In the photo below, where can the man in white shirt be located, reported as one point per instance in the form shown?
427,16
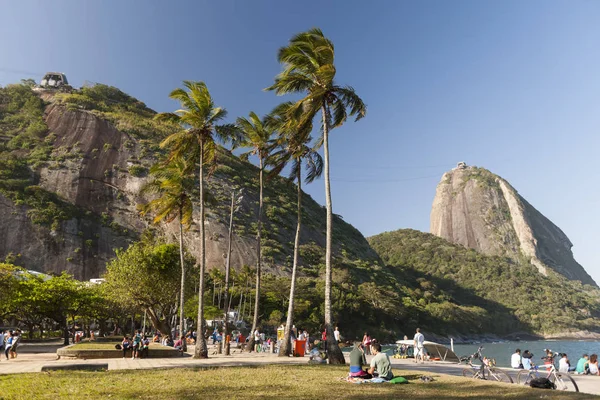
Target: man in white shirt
336,334
419,343
515,360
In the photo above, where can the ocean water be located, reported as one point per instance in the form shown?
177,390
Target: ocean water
502,351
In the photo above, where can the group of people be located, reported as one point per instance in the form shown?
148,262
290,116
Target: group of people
585,365
9,342
139,345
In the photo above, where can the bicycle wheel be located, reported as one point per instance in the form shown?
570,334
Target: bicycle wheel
499,375
565,382
524,377
469,372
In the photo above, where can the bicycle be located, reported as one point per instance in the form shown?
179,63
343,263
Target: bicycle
561,380
484,371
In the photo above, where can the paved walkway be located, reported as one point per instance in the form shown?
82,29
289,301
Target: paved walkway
32,357
586,383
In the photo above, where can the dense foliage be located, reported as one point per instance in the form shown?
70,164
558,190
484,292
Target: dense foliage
490,291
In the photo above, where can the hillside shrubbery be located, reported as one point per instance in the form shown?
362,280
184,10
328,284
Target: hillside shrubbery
500,286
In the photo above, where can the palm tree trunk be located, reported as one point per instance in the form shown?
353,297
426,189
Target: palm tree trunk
201,350
258,237
334,353
227,269
285,349
182,288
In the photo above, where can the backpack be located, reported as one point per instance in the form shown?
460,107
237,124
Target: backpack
542,383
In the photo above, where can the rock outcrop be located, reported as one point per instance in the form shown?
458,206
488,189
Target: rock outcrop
477,209
90,171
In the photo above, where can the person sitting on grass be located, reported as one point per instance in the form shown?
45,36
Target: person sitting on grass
357,360
583,365
316,357
380,363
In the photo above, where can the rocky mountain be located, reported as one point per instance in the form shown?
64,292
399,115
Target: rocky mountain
71,169
480,210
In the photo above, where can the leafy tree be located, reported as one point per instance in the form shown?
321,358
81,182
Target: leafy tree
256,135
292,147
8,286
309,68
173,184
146,276
198,117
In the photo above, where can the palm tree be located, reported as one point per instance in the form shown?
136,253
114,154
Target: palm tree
308,68
198,117
292,148
256,135
173,185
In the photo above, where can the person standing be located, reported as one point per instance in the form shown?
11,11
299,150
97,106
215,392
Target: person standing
8,342
137,341
419,343
515,360
1,340
367,343
336,335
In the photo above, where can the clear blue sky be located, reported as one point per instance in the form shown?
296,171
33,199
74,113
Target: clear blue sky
511,86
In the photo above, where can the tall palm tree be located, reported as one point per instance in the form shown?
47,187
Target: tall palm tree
256,135
198,116
308,68
173,184
291,147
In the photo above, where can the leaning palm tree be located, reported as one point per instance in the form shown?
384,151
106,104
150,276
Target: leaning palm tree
256,135
308,68
291,147
173,185
196,144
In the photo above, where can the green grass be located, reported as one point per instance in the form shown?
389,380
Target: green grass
270,382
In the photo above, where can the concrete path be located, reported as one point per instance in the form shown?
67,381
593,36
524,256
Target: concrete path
586,383
32,357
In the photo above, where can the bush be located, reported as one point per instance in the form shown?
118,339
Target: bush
137,171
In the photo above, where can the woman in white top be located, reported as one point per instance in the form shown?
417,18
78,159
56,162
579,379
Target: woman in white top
594,364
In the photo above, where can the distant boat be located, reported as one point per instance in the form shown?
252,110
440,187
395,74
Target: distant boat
435,350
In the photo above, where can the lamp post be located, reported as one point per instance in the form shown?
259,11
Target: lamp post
235,205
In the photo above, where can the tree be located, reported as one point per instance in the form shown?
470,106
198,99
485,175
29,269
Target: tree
256,135
146,276
308,67
291,147
198,117
172,183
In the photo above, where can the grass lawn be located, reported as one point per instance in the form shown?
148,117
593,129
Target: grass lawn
282,382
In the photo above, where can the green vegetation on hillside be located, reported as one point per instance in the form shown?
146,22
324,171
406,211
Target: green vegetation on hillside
498,286
25,145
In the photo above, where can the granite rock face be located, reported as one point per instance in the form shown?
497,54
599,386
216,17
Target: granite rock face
91,173
480,210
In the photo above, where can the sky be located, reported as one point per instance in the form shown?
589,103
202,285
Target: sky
511,86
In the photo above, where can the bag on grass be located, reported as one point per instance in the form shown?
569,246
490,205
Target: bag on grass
542,383
399,379
118,346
